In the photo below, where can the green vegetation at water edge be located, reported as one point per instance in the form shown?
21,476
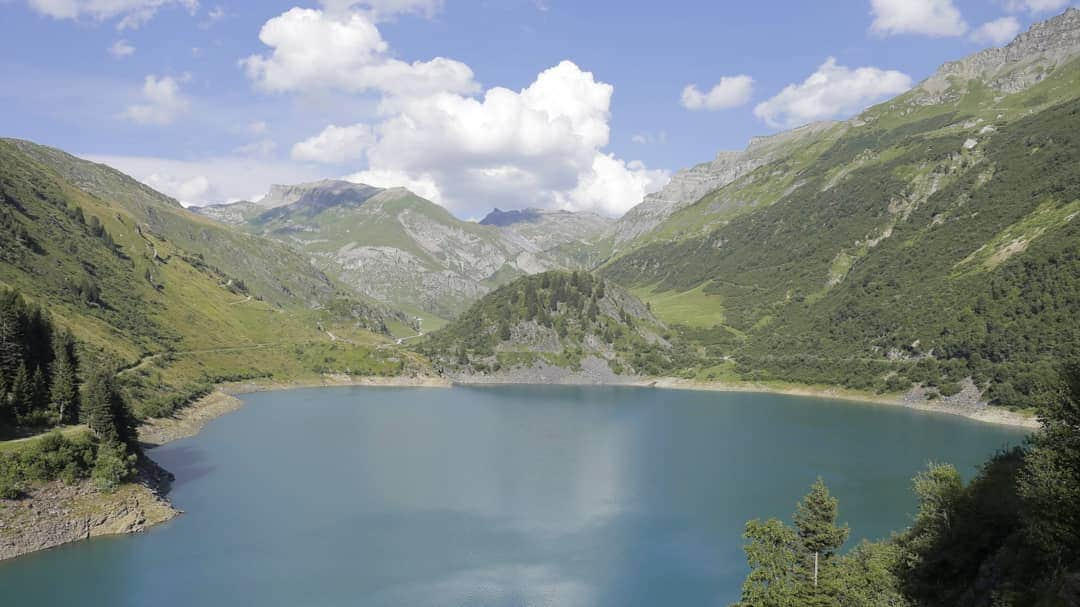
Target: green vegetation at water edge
1008,538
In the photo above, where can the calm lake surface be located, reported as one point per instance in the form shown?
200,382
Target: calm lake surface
500,496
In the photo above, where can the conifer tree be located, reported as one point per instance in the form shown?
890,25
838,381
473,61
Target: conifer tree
105,410
815,520
7,413
772,556
39,392
22,391
64,392
11,331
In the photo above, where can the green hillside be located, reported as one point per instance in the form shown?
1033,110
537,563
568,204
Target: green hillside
561,319
170,299
921,242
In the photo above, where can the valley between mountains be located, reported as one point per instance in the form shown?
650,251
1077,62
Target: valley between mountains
924,252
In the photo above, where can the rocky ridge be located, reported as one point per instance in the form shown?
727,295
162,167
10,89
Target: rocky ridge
689,185
1025,61
546,229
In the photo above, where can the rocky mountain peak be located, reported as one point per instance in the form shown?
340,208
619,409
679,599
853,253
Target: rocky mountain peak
500,218
325,192
1025,61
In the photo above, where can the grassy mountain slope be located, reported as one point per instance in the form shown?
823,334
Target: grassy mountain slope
929,240
766,161
393,245
562,319
279,274
118,273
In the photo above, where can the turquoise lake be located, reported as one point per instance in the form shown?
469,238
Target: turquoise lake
497,496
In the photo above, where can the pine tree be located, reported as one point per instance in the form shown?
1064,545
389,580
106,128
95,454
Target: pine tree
7,413
771,554
11,331
22,391
105,410
64,391
39,393
815,520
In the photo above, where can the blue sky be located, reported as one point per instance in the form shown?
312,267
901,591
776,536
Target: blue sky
186,96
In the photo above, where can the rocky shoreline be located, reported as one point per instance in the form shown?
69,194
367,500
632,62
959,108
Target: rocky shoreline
54,513
975,410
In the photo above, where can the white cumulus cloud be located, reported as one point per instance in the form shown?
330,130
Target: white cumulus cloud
997,32
313,49
540,146
163,102
731,91
132,14
210,180
121,49
437,134
335,145
935,18
831,91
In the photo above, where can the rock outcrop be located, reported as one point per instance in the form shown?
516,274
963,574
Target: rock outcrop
53,514
546,229
1025,61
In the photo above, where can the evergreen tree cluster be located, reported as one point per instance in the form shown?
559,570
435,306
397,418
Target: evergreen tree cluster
1009,538
577,306
39,389
39,369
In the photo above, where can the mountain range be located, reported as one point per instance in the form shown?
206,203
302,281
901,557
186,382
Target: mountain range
928,245
399,248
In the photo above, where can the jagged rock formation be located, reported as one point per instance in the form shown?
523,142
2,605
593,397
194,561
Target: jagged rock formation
1025,61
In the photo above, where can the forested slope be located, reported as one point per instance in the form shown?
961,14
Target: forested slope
557,318
929,240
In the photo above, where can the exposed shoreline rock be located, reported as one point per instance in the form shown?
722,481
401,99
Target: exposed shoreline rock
54,514
985,413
